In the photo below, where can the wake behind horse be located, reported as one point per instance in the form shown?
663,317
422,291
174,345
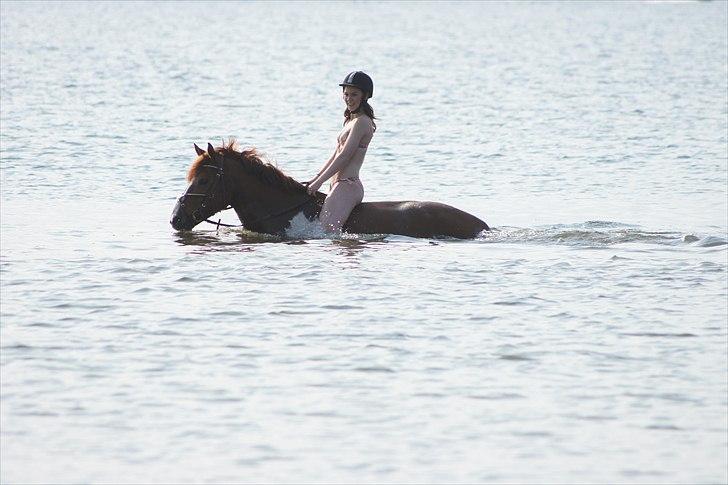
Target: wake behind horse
266,200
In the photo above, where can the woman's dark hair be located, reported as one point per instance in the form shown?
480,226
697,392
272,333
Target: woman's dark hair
366,108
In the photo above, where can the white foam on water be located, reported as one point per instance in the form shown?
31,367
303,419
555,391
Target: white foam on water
711,241
302,228
593,233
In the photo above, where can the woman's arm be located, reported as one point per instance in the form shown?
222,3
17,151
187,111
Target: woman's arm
358,130
325,165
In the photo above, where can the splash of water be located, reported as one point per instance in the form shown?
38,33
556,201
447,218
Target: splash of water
303,228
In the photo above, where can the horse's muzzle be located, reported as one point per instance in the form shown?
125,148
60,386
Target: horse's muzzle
178,223
180,220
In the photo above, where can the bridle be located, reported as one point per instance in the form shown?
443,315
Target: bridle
210,194
197,217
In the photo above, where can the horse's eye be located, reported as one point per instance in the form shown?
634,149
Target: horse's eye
203,181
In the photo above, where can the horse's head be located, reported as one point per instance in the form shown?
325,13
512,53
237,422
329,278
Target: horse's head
206,194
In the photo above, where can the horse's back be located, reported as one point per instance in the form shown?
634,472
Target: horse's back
413,218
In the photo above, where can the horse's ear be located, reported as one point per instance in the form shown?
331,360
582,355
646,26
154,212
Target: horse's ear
199,150
211,151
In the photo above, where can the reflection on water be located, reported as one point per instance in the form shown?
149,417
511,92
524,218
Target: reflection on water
352,247
223,237
238,239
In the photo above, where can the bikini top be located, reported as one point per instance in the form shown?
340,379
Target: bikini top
344,135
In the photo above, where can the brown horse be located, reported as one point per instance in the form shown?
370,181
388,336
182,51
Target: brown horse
266,200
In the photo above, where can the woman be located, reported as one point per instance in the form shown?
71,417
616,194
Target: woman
346,189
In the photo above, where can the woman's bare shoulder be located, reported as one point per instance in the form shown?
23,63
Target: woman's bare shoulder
364,121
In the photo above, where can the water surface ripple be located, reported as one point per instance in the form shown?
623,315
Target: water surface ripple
583,340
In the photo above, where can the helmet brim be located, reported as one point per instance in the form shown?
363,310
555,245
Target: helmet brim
355,86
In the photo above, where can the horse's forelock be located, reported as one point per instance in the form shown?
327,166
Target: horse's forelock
196,165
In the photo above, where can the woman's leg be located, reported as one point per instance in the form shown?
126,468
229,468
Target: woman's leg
342,199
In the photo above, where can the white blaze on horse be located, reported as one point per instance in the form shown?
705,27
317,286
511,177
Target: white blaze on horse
266,200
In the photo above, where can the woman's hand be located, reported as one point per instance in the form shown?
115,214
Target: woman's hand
313,186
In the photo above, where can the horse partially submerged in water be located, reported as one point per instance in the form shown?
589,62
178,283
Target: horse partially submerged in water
266,200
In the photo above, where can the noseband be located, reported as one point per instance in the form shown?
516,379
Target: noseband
196,216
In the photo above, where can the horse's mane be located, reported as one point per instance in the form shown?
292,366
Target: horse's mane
253,162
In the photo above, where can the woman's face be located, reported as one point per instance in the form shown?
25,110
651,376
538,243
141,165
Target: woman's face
352,97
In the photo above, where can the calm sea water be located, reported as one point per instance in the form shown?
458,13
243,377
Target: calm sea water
584,340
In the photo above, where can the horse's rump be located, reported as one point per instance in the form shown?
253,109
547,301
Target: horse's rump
413,218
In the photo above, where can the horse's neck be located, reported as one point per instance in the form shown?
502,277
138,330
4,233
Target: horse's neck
255,201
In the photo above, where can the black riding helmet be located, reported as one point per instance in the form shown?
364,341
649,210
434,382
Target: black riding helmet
360,80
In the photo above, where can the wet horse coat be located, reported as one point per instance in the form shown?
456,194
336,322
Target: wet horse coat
265,200
413,218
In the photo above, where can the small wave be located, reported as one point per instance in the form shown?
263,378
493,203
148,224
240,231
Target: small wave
375,368
596,234
515,357
711,242
659,334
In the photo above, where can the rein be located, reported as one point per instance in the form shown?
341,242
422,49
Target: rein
263,219
210,194
218,223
